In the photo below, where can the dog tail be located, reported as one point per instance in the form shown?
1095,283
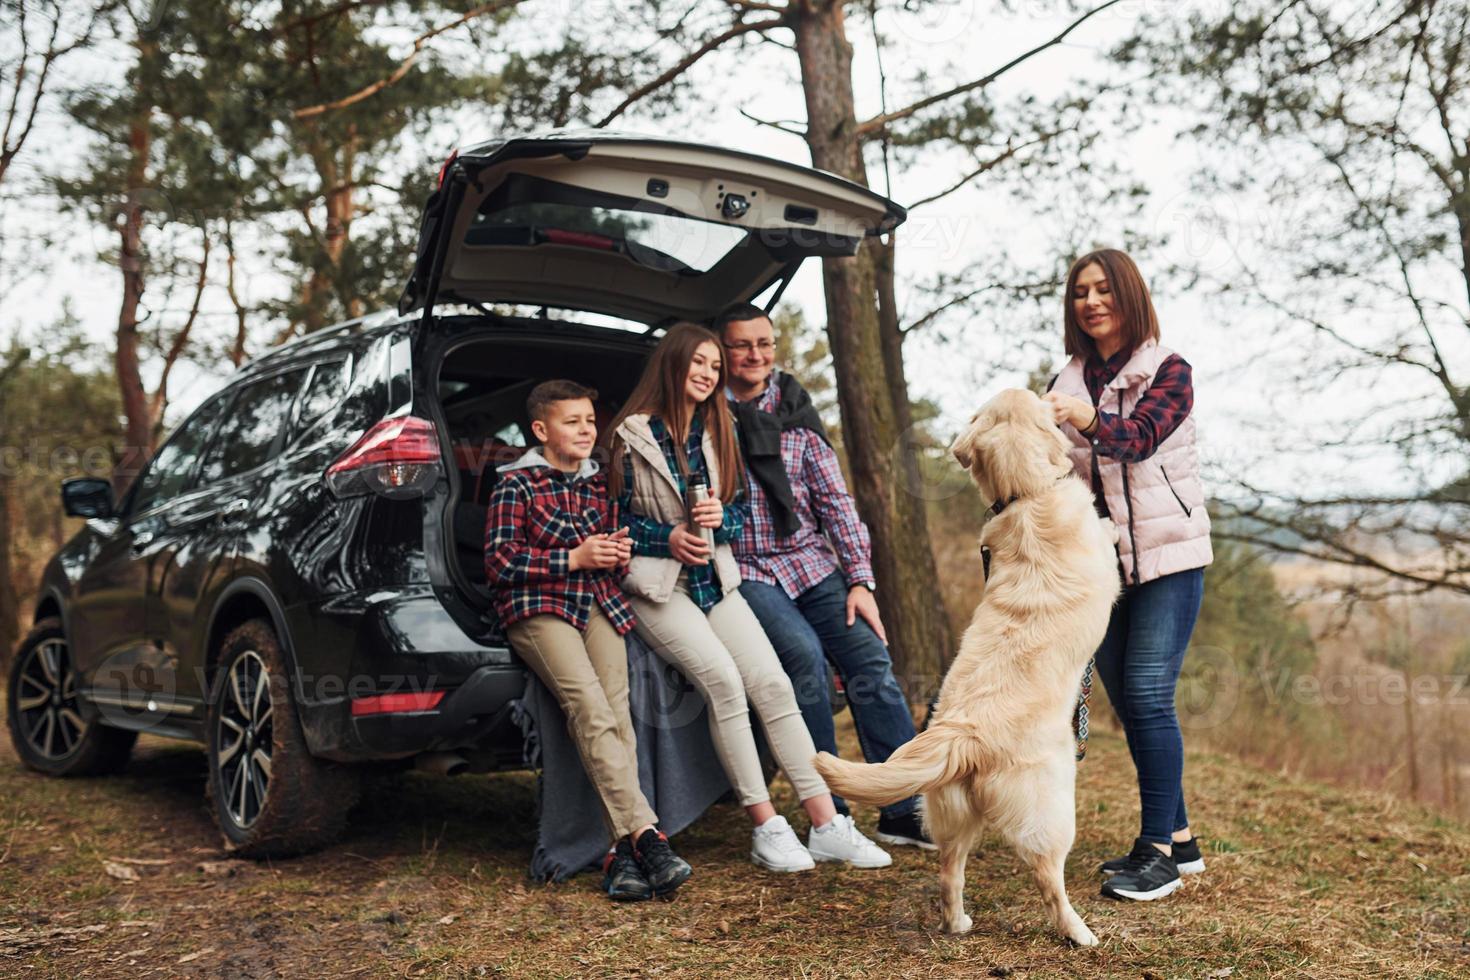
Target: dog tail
943,754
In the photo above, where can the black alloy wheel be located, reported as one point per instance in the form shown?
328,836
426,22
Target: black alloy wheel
270,796
245,737
52,729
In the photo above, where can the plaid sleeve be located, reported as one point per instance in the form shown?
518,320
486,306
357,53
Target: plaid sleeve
509,559
734,519
1165,405
649,536
836,512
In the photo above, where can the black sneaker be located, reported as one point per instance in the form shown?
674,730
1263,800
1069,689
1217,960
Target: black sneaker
622,878
664,870
1187,858
907,830
1148,874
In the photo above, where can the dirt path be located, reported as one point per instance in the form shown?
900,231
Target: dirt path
124,877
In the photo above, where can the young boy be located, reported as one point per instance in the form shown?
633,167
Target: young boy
552,550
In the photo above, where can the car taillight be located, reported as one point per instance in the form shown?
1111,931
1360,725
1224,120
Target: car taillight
382,704
445,168
398,458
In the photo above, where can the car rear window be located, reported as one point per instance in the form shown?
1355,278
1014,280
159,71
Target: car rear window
668,242
323,393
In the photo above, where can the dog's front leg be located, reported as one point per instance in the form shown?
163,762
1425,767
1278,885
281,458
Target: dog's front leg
952,856
1047,869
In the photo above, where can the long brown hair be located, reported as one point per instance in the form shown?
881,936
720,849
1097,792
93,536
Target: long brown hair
1131,301
660,392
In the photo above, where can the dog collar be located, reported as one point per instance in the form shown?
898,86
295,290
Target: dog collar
1001,505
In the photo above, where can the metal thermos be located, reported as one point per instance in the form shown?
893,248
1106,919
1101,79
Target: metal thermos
698,490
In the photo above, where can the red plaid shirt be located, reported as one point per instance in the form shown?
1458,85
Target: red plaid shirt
1166,404
537,515
831,537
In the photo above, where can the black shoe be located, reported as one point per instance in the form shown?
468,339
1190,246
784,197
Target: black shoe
907,830
1148,874
664,870
1187,858
622,877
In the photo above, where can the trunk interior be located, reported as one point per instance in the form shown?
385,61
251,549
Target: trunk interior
482,385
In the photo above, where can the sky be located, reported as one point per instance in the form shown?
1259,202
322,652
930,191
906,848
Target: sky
1239,367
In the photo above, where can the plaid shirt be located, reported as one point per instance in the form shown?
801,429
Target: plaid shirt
823,506
651,537
537,515
1158,413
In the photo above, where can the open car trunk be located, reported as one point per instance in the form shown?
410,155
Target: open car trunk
483,380
644,229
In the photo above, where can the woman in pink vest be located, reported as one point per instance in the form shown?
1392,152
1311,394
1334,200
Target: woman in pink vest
1126,404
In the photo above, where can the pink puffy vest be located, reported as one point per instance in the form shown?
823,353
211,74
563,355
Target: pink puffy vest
1165,498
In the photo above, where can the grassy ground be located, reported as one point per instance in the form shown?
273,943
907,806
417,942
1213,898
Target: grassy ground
1303,881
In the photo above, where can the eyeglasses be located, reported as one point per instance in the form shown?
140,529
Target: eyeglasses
764,346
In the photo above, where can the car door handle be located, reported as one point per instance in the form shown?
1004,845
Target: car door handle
235,507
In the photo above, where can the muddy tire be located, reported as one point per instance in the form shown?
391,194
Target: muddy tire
51,730
270,796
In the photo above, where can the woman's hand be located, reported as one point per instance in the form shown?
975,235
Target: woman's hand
687,547
708,513
1065,408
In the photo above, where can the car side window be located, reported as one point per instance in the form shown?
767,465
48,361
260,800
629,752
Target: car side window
247,435
168,473
324,392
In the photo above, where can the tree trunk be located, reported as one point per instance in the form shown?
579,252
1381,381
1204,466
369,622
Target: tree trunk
872,427
137,418
9,600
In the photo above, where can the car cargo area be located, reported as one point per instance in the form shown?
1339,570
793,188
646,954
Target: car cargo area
483,380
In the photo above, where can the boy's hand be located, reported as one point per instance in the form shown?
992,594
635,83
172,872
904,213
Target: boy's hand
624,543
598,551
708,513
688,547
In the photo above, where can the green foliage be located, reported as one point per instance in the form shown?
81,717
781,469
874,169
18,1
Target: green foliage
1260,645
59,418
801,350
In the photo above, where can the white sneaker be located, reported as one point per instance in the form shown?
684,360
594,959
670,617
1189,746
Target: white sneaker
840,840
775,846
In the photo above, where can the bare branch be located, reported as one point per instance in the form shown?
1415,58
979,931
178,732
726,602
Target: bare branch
407,64
181,339
49,55
785,126
774,8
1010,151
871,127
689,61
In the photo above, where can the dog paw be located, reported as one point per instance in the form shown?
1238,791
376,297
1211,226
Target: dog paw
1082,936
959,926
1110,530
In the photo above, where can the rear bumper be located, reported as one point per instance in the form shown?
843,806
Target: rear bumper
476,715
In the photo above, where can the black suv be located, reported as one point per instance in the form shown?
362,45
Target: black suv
297,579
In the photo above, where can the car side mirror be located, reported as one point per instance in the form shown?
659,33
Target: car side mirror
87,497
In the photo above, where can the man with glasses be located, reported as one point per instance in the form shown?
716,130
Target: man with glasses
806,560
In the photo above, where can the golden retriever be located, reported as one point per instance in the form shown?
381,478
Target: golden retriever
999,751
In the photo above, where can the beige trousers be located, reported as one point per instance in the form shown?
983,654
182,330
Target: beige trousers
727,657
588,674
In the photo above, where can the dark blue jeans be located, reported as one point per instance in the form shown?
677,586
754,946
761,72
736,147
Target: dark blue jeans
1139,663
806,632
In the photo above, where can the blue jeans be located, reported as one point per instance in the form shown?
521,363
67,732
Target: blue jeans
1139,663
813,627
